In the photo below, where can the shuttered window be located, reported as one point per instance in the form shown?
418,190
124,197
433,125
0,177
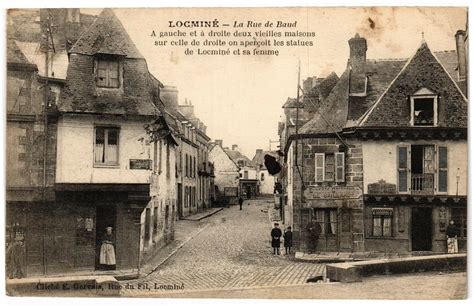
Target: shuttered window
319,172
442,169
403,170
339,167
107,73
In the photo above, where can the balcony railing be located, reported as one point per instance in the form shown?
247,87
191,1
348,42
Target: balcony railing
422,184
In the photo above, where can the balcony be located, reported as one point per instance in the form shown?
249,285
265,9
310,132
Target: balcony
422,184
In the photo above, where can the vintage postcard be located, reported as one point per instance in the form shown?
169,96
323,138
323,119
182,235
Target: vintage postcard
303,152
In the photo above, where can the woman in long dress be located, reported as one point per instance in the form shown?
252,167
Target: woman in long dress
107,251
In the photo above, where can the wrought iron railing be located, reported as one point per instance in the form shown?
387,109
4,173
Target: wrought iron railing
422,184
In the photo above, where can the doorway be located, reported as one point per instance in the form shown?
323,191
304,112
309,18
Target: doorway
421,229
105,217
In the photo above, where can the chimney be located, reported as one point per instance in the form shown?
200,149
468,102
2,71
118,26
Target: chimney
308,85
258,151
169,97
219,142
358,52
234,147
461,51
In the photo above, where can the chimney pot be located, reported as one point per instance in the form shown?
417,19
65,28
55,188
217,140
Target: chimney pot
358,51
461,52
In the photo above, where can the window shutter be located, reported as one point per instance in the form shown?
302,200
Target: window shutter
340,167
403,168
319,170
442,169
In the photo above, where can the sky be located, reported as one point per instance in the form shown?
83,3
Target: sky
240,98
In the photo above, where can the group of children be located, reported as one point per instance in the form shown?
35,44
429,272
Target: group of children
276,235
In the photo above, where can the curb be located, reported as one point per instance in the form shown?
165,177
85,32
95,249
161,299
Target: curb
155,267
217,210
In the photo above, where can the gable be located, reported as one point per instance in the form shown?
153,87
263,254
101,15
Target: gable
426,74
221,161
107,36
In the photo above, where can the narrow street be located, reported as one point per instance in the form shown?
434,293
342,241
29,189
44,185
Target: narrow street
232,252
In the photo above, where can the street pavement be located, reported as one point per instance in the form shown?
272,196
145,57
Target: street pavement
232,251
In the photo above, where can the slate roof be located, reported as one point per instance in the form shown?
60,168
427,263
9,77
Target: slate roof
236,156
14,54
449,60
106,35
139,90
291,103
341,110
259,160
422,71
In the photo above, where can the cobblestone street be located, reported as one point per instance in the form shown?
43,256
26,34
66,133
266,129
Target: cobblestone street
233,251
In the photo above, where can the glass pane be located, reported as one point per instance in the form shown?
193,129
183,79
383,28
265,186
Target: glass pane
443,157
319,160
377,226
402,157
387,226
113,137
339,159
443,181
402,180
319,174
113,82
99,135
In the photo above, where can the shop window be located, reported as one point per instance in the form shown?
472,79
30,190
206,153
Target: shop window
327,218
107,72
459,215
329,167
382,219
106,146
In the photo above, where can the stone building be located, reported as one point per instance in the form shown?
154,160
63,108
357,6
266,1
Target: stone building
194,172
382,165
248,183
104,127
226,174
266,182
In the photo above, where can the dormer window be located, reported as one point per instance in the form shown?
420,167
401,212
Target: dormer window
424,108
107,72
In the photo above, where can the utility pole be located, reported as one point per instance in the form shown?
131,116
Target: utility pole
295,167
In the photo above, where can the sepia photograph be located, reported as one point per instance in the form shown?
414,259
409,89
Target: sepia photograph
237,152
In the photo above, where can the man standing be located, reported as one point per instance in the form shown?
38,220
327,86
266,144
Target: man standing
276,235
452,237
241,201
314,231
288,237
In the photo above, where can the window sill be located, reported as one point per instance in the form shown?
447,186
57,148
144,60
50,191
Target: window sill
107,166
380,237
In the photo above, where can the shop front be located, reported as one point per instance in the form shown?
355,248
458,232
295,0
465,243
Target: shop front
331,220
67,235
